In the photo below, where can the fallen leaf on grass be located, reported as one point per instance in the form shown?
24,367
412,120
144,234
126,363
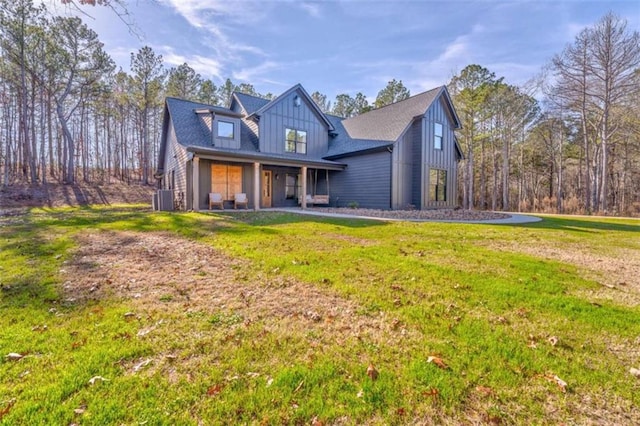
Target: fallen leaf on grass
316,422
553,340
635,372
214,390
484,390
431,392
372,372
141,365
438,361
360,394
94,379
14,356
557,380
6,409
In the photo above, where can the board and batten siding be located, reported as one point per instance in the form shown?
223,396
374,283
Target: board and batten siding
443,159
284,114
402,170
366,180
175,163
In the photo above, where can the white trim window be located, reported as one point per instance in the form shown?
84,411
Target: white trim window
438,133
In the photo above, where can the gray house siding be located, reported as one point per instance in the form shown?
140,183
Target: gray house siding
366,180
284,114
417,181
443,159
175,173
402,180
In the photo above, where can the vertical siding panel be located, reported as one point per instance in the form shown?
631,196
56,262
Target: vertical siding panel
375,170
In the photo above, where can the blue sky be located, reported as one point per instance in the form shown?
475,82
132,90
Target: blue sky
352,46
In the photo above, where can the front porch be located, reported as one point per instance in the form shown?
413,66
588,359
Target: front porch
267,184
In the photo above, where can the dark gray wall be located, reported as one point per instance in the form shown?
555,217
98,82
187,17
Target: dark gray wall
175,161
283,114
401,191
416,177
218,142
366,180
444,159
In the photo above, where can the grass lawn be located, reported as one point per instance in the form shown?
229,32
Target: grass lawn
117,315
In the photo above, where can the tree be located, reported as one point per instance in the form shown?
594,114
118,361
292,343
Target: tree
247,89
76,62
321,100
393,92
361,105
183,83
17,20
344,106
208,93
148,78
225,91
596,77
470,90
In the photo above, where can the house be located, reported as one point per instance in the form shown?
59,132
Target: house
398,156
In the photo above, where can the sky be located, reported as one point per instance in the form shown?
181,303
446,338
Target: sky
349,46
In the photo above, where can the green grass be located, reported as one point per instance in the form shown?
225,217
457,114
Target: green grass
454,291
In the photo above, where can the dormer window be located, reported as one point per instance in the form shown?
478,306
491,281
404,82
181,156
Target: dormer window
225,129
295,141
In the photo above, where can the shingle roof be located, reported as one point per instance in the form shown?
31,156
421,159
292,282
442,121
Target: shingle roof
250,103
188,125
341,143
388,123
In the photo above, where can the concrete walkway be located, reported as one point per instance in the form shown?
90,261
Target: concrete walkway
515,219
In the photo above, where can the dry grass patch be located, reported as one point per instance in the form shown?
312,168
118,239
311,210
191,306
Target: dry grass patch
147,269
618,271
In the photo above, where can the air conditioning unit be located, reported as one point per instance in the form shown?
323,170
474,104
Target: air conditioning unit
165,200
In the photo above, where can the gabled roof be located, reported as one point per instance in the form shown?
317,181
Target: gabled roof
341,144
298,87
389,122
249,103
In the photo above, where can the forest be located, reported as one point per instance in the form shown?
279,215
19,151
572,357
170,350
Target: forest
567,141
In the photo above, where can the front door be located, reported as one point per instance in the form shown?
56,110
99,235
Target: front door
266,188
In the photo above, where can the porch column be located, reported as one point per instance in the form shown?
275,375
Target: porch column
196,183
304,187
256,186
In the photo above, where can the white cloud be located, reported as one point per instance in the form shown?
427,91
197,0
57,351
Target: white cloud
207,67
251,73
313,9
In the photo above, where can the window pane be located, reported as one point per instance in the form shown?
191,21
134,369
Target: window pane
437,136
302,148
290,146
225,129
437,127
290,134
302,136
290,186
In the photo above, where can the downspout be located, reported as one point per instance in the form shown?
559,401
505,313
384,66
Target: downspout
390,150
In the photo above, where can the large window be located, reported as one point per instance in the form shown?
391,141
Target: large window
437,185
295,141
225,129
226,180
291,186
437,135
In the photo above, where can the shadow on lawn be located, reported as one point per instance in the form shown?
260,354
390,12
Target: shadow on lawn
582,225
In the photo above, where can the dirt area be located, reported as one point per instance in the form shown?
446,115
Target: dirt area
164,272
58,195
618,272
435,214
